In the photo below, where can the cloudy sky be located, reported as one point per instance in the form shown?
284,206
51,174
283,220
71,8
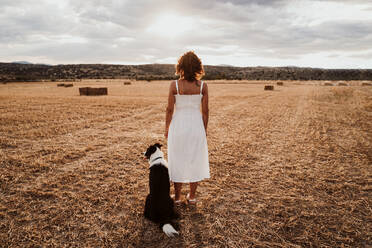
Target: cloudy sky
326,33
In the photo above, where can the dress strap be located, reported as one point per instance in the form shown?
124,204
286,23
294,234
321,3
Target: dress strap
201,87
177,86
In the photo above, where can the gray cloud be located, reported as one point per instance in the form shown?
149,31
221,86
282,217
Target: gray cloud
99,31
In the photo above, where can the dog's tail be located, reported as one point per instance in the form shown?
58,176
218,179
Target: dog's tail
169,230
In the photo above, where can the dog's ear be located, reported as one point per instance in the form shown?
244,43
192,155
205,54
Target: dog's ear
158,145
150,150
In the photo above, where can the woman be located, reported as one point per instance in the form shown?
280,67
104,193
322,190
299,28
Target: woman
186,129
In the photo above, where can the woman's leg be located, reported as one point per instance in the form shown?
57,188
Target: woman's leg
177,191
193,187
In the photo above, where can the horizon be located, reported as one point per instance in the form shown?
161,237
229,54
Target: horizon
223,65
330,34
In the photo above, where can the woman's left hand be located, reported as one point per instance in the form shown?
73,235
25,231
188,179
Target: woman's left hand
166,134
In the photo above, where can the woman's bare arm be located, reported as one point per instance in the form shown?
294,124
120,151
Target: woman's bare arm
205,107
170,108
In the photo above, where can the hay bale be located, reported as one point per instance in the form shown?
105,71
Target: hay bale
366,84
60,85
88,91
279,83
343,84
97,91
104,91
83,91
328,84
269,87
69,85
127,83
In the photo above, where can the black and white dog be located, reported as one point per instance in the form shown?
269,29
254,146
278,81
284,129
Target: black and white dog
159,206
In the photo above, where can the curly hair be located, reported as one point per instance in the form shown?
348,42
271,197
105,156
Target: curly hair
190,67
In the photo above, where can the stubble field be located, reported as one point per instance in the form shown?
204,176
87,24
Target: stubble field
289,167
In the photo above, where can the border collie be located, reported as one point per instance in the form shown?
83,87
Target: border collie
159,206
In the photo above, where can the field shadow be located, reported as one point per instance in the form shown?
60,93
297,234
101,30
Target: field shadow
191,225
150,235
198,221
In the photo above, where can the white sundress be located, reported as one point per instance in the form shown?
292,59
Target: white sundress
187,141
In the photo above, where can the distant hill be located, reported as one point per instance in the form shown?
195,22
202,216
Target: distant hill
26,71
22,62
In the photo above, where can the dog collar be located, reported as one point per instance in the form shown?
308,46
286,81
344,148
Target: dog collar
160,160
155,159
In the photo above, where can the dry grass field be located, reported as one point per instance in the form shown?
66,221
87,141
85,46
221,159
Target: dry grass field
289,167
